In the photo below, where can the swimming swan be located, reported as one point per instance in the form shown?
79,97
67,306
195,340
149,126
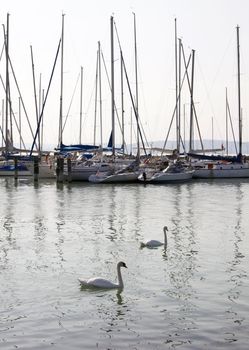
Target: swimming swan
99,282
154,243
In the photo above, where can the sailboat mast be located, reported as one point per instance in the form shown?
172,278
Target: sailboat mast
122,97
191,126
95,103
100,96
212,123
42,124
179,96
226,123
39,111
7,86
35,96
61,93
176,83
2,129
112,89
239,97
131,133
135,48
20,123
81,93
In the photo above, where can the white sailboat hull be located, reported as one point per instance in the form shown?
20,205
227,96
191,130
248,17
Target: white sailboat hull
175,172
114,178
171,177
82,172
223,171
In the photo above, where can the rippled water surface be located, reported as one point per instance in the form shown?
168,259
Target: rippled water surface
194,295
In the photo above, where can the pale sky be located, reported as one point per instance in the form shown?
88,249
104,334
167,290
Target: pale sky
207,26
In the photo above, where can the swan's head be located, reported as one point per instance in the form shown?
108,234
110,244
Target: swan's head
122,264
165,229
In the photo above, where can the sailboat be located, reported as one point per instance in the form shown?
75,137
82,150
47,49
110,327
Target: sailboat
226,167
174,172
127,173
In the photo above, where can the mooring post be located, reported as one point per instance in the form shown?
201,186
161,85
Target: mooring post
36,168
60,169
16,168
69,169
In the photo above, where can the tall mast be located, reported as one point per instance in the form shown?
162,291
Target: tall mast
2,130
35,96
61,93
20,123
95,103
239,103
212,124
176,82
122,97
135,48
191,126
184,126
100,95
39,111
179,97
112,90
81,93
226,123
131,133
42,123
7,86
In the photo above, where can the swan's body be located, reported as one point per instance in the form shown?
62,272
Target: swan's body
99,282
154,243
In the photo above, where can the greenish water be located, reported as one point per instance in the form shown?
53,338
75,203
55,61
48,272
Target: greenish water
194,295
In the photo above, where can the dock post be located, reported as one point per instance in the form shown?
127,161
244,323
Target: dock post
69,169
60,169
16,168
36,168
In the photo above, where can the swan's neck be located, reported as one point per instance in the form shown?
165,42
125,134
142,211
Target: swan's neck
120,280
165,238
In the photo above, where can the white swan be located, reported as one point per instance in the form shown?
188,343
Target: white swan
154,243
99,282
